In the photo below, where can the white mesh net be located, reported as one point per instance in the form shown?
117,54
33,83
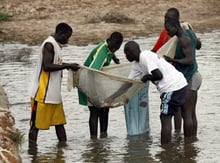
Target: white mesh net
99,85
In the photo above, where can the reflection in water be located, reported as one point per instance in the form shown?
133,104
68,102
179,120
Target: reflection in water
183,151
137,149
190,151
16,65
97,150
55,156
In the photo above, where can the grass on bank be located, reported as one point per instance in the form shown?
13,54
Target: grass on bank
4,16
17,136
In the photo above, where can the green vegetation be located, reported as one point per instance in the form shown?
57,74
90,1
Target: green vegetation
4,16
17,136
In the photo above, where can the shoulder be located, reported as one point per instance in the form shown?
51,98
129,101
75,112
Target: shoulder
48,46
102,42
145,57
147,53
102,45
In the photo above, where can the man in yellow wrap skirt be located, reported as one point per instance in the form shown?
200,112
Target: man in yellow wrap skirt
46,101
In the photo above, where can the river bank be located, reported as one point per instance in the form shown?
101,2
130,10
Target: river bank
31,21
9,147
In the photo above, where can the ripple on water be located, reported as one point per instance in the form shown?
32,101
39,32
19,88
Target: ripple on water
16,78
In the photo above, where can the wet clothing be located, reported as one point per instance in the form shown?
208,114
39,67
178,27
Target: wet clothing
137,113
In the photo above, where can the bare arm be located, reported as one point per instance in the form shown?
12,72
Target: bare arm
48,57
187,50
115,59
155,75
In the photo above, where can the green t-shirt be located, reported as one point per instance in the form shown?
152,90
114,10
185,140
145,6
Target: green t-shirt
100,56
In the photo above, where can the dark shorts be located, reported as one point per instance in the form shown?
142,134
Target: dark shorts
172,101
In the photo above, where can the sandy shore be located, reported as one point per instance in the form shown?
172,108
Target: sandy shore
32,21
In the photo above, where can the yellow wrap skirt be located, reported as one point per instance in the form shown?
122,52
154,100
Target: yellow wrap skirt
48,115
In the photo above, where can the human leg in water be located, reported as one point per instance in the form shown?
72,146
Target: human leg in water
33,131
187,114
178,121
104,122
193,102
93,121
61,133
166,127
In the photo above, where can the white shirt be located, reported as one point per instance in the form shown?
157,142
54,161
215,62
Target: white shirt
172,79
47,85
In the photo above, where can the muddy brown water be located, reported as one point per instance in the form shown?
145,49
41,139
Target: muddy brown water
16,66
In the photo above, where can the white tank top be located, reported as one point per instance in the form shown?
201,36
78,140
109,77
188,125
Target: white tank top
47,85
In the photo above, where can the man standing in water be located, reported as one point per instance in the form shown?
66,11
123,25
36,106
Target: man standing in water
100,56
185,62
173,13
46,101
171,83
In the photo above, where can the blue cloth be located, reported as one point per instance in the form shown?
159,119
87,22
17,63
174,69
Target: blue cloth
137,113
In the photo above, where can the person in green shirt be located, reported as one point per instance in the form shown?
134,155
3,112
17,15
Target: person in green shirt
100,56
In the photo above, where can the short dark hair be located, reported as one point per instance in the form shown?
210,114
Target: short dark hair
175,12
116,38
63,28
131,46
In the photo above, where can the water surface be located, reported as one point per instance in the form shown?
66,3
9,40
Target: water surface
16,67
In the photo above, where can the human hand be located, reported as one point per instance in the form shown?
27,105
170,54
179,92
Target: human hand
115,59
74,66
198,44
145,78
167,58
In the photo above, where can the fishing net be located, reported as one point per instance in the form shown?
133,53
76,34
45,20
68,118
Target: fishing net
99,85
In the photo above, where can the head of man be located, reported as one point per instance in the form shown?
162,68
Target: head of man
114,41
132,51
62,33
172,13
173,27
